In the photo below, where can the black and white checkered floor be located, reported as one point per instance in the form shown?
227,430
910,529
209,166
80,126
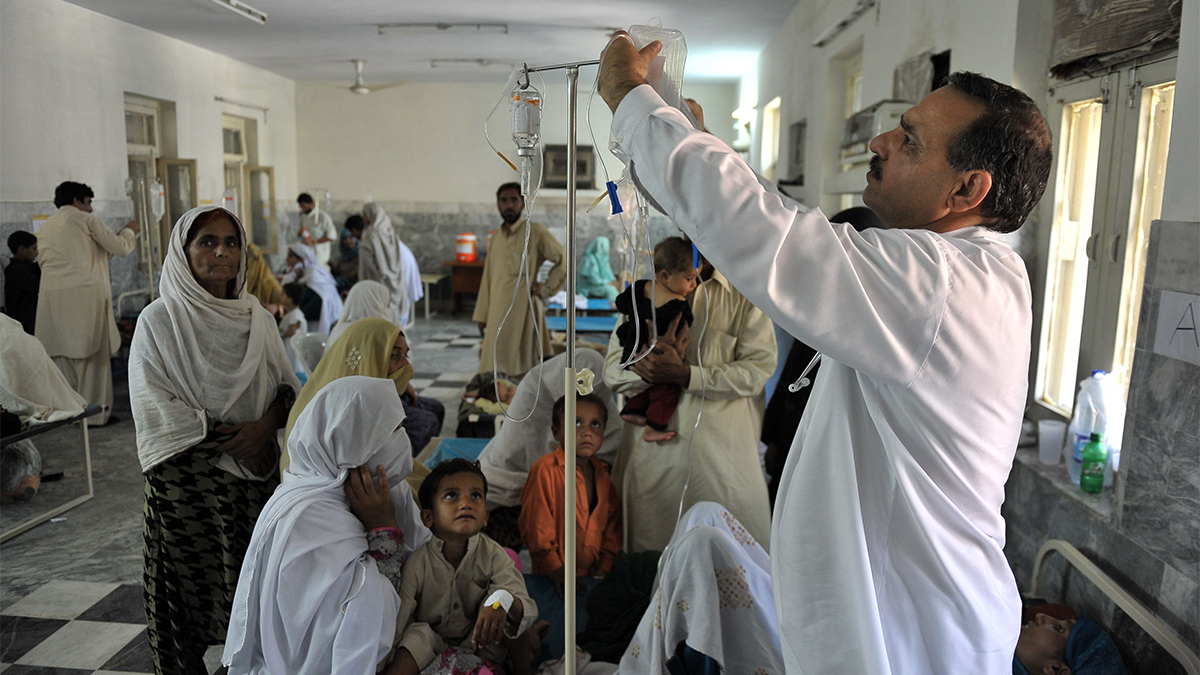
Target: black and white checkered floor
71,600
76,628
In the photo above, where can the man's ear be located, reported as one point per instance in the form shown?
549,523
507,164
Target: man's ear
970,191
427,518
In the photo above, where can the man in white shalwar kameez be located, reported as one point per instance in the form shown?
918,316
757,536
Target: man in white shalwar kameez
75,320
887,540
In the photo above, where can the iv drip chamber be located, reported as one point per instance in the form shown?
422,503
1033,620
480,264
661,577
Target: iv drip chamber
526,106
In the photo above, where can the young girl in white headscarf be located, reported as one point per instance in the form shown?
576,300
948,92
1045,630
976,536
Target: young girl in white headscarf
384,258
317,592
210,384
303,268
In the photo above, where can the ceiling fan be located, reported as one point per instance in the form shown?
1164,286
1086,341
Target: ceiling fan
360,87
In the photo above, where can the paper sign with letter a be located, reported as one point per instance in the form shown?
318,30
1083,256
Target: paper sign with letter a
1178,332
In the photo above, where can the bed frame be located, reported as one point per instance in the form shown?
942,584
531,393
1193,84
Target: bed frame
1149,623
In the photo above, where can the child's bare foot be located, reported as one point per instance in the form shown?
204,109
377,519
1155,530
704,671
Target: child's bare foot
636,420
652,435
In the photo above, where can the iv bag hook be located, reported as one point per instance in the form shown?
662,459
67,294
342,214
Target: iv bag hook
523,81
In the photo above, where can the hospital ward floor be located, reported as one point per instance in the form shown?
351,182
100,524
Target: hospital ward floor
70,589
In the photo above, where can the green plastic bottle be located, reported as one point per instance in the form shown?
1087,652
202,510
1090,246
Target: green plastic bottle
1095,454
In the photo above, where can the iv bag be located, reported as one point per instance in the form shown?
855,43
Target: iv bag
158,199
526,106
665,72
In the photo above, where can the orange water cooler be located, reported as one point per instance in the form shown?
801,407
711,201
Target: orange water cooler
464,247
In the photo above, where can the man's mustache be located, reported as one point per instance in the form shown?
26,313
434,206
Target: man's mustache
877,167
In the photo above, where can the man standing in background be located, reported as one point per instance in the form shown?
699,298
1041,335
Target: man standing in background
319,225
515,351
75,319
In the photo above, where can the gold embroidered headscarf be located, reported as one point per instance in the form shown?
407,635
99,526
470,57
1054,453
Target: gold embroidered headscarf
365,348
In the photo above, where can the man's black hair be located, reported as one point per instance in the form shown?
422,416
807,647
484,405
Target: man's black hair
21,238
68,191
305,198
295,292
560,408
1011,141
508,186
450,467
355,223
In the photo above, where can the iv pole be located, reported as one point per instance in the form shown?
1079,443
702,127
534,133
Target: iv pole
571,377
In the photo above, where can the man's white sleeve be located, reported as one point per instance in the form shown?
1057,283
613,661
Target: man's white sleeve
873,301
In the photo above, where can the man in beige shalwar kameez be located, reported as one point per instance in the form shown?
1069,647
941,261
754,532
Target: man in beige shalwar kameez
728,364
75,320
516,352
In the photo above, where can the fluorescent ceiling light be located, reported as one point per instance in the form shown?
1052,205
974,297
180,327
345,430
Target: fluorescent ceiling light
390,28
843,23
459,63
238,7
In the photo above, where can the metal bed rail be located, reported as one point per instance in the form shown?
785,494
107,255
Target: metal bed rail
1128,604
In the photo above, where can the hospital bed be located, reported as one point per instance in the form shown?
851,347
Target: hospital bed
1150,623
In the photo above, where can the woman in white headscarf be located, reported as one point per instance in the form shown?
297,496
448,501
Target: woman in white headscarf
366,300
712,607
384,258
210,384
317,592
303,268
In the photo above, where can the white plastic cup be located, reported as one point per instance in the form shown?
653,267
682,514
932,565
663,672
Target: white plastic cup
1050,440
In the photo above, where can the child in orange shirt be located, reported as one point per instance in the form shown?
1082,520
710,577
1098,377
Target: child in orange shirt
598,533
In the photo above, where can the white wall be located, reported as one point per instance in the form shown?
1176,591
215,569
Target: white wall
423,142
1181,199
982,37
63,74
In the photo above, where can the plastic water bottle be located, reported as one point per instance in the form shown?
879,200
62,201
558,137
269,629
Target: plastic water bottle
1099,408
1095,456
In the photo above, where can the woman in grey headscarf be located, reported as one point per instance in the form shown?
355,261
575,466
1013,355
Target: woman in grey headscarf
384,258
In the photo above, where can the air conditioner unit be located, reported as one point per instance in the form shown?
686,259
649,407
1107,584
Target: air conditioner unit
869,123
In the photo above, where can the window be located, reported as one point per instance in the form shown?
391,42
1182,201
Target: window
770,138
852,78
143,149
1113,134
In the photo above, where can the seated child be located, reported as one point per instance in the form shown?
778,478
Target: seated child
22,279
676,276
484,395
463,604
597,510
293,322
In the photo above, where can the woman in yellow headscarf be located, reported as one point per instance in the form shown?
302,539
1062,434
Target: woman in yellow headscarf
368,347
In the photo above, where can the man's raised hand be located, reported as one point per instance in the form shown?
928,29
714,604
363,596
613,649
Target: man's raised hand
623,67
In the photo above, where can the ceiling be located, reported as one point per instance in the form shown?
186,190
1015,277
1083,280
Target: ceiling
316,39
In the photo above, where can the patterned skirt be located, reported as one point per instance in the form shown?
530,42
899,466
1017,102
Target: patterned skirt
198,522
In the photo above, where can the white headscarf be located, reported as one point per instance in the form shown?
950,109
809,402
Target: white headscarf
197,359
321,281
31,386
507,457
367,300
381,257
310,599
714,594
